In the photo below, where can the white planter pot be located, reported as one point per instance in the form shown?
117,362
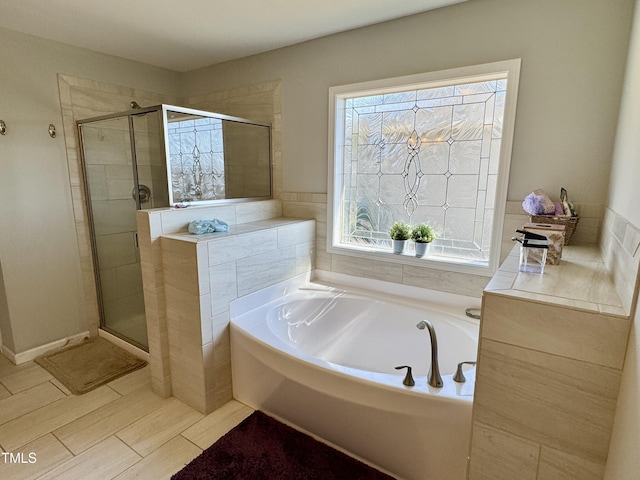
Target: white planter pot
398,246
421,249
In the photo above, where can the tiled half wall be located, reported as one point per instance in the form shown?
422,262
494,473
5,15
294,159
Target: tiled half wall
189,281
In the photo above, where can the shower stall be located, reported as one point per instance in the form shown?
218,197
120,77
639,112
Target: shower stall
156,157
124,168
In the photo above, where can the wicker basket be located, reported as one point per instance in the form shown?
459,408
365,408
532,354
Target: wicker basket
570,223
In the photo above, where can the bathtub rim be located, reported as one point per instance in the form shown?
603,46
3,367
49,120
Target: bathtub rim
394,292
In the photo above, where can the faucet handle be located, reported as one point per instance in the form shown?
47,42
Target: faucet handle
459,376
408,379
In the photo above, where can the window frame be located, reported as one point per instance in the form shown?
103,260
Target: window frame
475,73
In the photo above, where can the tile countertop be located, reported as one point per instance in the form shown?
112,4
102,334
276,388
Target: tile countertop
580,281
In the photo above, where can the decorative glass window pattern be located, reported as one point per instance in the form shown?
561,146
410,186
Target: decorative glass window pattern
196,153
426,153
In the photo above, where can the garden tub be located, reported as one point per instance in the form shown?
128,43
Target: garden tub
323,359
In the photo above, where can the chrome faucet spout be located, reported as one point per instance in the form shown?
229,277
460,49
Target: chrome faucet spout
434,378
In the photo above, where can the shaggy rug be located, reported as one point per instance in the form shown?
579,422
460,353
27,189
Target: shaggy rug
88,365
261,448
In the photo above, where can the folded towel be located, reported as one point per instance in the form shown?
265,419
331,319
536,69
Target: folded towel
199,227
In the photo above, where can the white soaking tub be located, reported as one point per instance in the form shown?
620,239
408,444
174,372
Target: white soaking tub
323,359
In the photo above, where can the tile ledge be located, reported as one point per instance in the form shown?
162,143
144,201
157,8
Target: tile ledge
235,230
586,257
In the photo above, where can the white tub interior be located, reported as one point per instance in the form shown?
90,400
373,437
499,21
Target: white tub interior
368,334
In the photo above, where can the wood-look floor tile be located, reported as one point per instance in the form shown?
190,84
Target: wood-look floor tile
4,393
156,428
164,462
35,424
61,387
108,429
49,452
7,366
94,427
207,431
132,381
102,461
24,377
28,400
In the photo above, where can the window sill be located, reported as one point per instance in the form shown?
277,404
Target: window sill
428,261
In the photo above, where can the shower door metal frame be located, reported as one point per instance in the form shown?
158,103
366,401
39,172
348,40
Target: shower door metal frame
88,205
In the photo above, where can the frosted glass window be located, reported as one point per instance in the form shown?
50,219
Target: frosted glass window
196,155
427,152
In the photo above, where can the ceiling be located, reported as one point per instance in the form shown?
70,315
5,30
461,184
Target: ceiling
190,34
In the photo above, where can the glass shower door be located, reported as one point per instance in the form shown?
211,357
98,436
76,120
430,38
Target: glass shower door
150,160
124,169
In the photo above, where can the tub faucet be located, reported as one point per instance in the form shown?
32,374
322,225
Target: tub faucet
434,378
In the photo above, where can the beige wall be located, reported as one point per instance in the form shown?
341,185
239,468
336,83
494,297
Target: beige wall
573,54
38,247
624,462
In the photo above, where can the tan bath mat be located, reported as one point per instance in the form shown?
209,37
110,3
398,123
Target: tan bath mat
88,365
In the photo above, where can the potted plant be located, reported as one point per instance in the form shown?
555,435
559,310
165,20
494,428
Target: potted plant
422,234
399,233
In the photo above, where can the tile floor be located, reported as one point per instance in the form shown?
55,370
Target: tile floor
121,430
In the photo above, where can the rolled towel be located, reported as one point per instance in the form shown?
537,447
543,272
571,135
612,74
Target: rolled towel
198,227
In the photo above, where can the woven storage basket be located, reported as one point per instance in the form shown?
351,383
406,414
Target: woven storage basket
570,223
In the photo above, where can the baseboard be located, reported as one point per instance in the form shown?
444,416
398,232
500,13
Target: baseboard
33,353
127,347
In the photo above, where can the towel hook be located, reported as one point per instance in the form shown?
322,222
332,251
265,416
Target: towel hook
52,130
3,127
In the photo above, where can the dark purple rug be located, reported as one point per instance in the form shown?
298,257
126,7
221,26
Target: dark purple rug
261,448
